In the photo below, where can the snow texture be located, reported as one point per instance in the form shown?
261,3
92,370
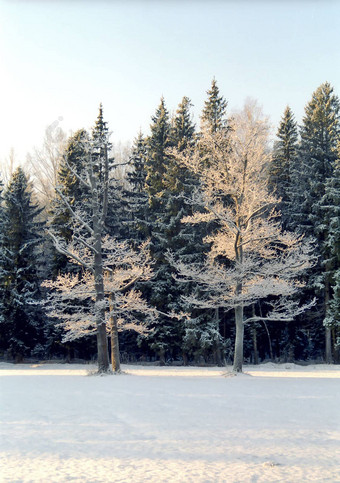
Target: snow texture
274,423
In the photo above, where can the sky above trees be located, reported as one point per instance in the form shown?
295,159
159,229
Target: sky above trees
61,59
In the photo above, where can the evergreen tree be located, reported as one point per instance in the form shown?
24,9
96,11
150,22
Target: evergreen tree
93,216
157,157
213,139
331,247
2,254
163,333
22,326
283,161
316,164
213,116
69,186
135,198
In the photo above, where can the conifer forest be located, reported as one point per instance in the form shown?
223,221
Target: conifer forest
203,243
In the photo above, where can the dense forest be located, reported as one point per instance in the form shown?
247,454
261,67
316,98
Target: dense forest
206,245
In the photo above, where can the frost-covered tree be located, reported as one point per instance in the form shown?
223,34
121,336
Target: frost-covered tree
88,222
320,134
330,204
213,116
43,163
250,257
69,186
2,254
22,233
164,335
135,197
74,298
204,328
283,161
157,158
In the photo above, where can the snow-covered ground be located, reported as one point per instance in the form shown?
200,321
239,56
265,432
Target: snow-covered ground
276,423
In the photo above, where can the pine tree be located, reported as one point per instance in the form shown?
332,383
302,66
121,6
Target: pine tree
317,155
283,162
21,329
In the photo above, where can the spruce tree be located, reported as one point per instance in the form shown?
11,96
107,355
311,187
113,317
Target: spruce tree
157,158
69,186
317,155
283,162
331,248
2,254
213,116
212,139
157,161
135,198
22,327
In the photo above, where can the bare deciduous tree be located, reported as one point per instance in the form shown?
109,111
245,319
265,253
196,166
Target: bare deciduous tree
44,163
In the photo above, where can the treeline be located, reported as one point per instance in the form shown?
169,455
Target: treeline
205,245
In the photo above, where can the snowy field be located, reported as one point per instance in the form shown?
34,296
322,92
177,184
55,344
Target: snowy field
276,423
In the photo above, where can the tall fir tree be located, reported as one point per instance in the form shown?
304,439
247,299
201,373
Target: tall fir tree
213,116
135,197
68,185
22,328
157,157
215,129
198,332
331,248
2,253
316,164
163,334
283,161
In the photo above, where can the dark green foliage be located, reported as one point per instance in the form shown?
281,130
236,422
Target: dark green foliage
70,187
151,203
2,253
157,158
330,205
312,193
21,329
135,197
214,112
283,161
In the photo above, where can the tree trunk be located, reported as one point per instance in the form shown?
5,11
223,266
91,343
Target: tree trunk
328,332
268,335
238,354
115,356
328,345
218,352
162,357
185,359
336,352
256,354
102,346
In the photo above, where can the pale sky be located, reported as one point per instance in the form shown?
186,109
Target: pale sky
60,59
